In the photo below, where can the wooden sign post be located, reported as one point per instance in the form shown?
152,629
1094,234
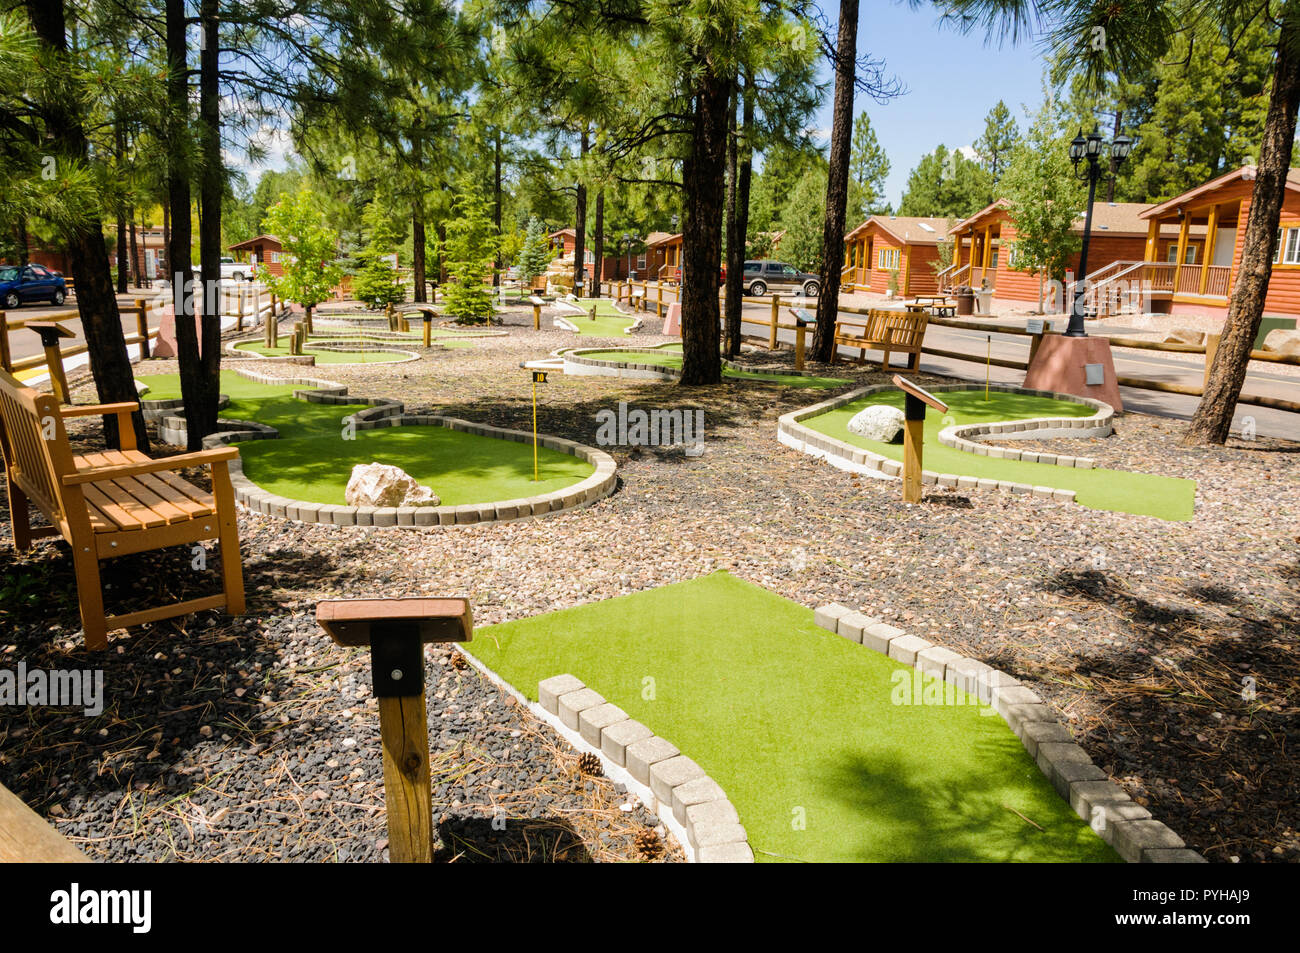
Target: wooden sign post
50,333
914,434
536,302
396,631
802,319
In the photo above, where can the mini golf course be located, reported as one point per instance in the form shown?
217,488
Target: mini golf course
312,462
330,355
1121,491
670,356
610,321
801,727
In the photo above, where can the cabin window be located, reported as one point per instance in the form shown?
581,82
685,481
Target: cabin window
640,261
889,259
993,261
589,256
275,257
1011,254
1288,247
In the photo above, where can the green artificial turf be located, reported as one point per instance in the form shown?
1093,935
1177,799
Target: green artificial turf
1122,491
609,322
800,727
328,357
311,461
672,357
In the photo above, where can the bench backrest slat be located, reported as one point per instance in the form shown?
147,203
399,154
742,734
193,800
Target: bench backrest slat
34,444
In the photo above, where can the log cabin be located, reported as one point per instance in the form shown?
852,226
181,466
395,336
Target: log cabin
264,249
1196,275
886,245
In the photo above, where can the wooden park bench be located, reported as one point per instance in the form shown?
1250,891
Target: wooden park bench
113,503
885,331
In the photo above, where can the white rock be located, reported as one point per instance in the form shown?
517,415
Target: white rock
877,422
1283,341
1183,336
378,484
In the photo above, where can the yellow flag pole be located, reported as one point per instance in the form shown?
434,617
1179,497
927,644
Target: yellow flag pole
988,365
534,429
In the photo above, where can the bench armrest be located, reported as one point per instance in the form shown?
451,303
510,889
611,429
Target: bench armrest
218,455
122,409
102,410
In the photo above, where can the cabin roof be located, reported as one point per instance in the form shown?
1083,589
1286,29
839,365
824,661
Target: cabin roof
908,229
660,238
1246,173
250,242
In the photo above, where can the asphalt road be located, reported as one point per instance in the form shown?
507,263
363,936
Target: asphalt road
1128,363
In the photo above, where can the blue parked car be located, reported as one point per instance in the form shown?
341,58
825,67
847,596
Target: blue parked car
20,284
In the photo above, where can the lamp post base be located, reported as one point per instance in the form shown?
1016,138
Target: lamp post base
1061,364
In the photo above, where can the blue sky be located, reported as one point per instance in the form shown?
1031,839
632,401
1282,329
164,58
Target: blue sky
952,81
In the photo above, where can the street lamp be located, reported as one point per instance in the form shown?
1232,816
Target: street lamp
1088,150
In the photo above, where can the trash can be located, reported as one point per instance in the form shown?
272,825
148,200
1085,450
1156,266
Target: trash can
985,298
965,301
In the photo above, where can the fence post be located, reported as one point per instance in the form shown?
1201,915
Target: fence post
142,325
1211,349
6,359
659,299
776,308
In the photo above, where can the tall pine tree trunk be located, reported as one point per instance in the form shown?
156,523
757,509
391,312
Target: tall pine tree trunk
837,181
600,244
580,226
736,243
201,403
179,252
418,257
1213,419
87,253
496,205
122,261
704,173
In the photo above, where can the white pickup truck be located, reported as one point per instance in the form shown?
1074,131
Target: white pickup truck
236,270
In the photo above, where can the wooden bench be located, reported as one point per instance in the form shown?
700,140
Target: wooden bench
113,503
885,331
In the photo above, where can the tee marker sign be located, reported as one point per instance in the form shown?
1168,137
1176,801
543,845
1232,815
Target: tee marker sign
916,399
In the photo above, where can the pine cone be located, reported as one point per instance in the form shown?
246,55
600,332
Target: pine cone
647,842
458,661
590,764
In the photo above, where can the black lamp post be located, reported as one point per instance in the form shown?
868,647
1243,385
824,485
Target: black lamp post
1090,148
627,241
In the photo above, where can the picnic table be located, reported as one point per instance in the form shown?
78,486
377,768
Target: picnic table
938,305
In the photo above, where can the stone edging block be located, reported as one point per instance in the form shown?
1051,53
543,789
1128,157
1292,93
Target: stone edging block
679,786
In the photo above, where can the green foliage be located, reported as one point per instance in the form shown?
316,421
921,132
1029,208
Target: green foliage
470,250
868,167
310,248
536,253
803,219
946,184
376,283
1044,195
1000,136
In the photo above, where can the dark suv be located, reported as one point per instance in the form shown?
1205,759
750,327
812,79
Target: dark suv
766,275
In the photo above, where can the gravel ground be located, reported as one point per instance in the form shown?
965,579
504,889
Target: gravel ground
1138,631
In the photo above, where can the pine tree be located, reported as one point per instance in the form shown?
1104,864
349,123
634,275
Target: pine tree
470,250
536,253
376,283
868,168
946,184
1000,136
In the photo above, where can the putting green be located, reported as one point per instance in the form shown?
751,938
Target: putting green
312,461
802,728
1122,491
609,322
327,356
671,356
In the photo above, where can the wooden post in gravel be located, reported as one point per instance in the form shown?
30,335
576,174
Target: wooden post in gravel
396,631
914,434
142,326
1211,349
776,311
659,299
272,329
